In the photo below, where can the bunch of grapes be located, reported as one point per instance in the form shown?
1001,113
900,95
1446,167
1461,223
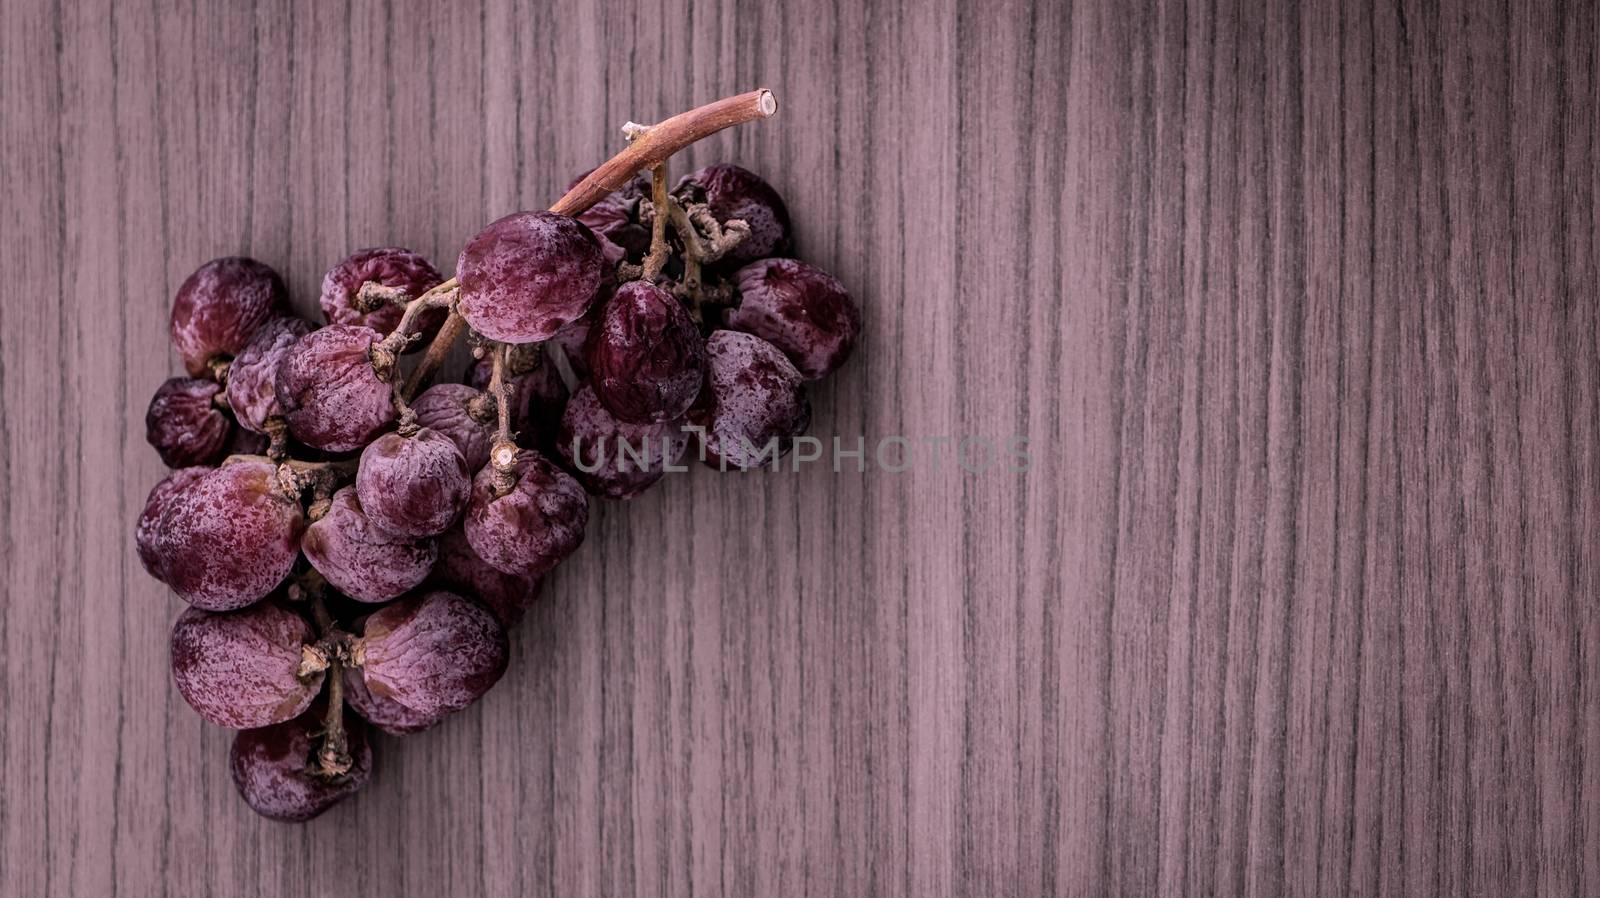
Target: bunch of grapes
354,541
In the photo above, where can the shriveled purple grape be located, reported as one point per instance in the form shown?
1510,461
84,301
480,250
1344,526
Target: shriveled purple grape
466,415
251,376
391,266
616,217
734,192
360,560
241,669
537,399
800,309
528,274
613,458
184,423
533,527
384,713
146,531
647,356
273,768
220,307
434,653
461,571
230,537
753,395
330,396
413,486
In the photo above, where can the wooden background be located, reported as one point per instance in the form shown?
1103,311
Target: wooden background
1297,307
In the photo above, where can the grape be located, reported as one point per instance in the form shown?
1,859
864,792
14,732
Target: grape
384,713
360,560
733,192
532,528
574,338
391,266
433,654
219,308
273,768
800,309
184,423
647,356
626,458
251,376
239,669
461,570
413,486
244,442
230,537
753,394
616,218
528,274
537,399
465,415
146,531
330,396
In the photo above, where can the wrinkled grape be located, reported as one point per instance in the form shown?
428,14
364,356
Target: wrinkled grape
612,458
239,669
465,415
146,531
413,486
391,266
533,527
526,275
753,395
330,396
251,376
734,192
800,309
647,355
230,537
219,308
360,560
184,423
385,713
272,767
616,217
460,570
434,653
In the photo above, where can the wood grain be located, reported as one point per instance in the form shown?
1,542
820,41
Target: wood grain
1297,307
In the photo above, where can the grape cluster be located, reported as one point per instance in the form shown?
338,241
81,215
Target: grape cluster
354,548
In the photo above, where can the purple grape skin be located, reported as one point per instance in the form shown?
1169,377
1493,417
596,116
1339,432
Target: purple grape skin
220,307
330,396
800,309
413,486
244,442
250,378
434,653
238,668
537,399
647,356
616,217
461,571
145,532
466,415
753,393
271,768
184,424
360,560
386,714
532,528
734,192
595,433
527,275
391,266
230,537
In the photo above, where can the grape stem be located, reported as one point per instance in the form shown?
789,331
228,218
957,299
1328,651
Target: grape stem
333,756
657,257
503,454
649,146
